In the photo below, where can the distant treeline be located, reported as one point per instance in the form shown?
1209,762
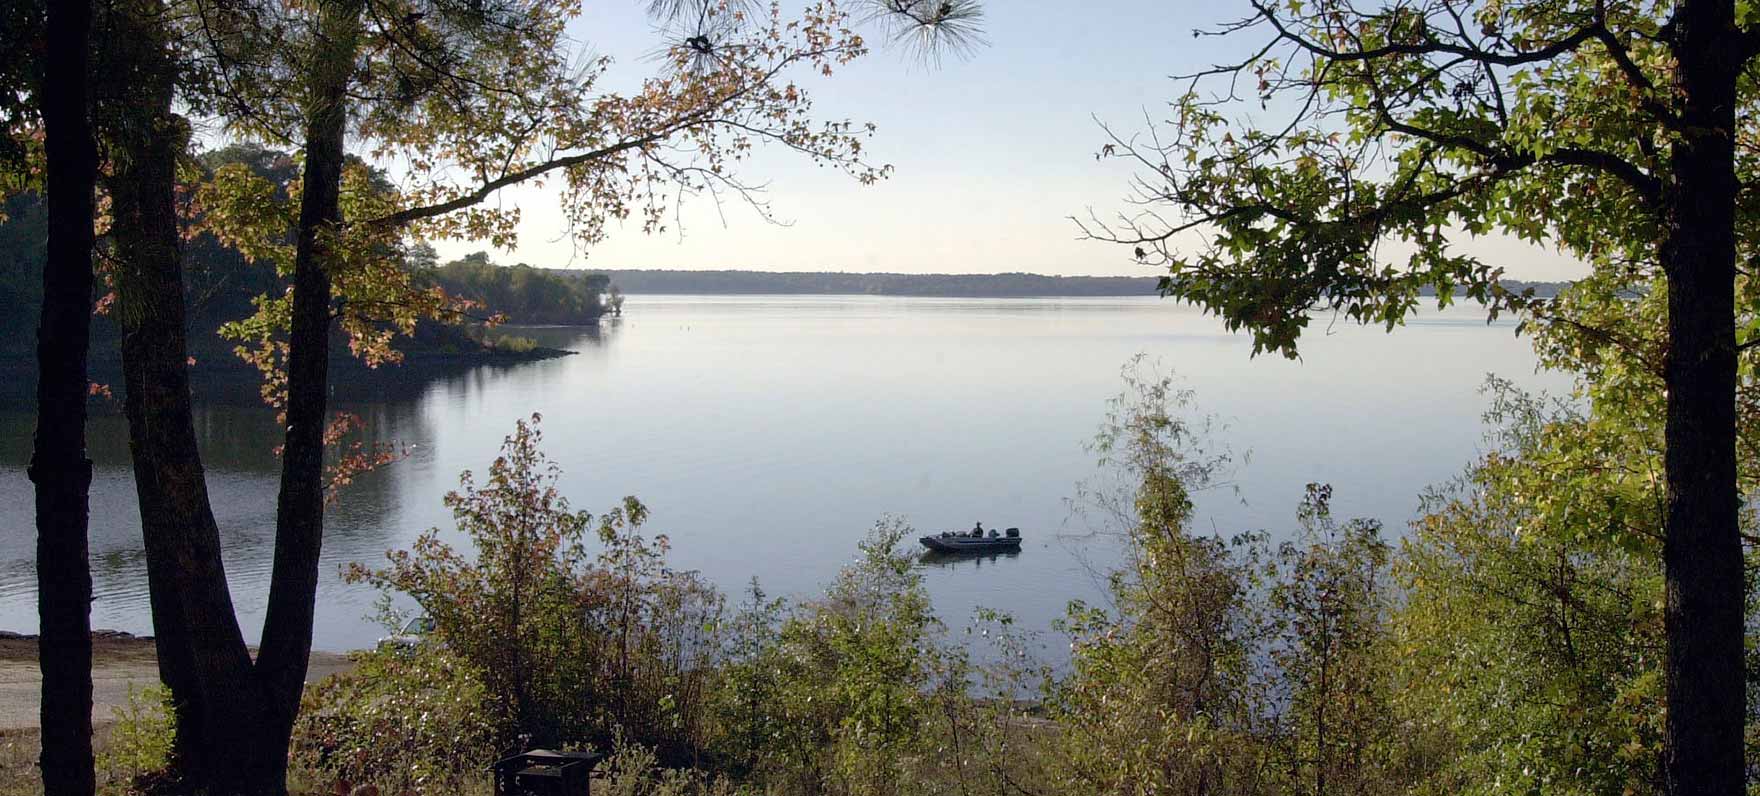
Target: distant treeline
950,285
1541,289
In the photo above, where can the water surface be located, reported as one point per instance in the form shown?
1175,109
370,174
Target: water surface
766,434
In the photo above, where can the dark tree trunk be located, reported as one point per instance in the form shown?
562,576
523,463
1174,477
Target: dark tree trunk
59,466
202,655
234,716
299,520
1702,551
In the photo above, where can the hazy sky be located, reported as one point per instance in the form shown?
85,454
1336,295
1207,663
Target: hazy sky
992,153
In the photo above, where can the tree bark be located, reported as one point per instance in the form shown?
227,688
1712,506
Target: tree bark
299,520
234,716
59,467
202,656
1702,552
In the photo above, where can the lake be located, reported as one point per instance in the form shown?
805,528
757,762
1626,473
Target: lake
768,433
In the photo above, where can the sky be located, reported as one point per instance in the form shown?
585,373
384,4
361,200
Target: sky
992,153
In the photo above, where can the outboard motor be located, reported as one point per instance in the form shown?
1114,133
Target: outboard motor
1014,532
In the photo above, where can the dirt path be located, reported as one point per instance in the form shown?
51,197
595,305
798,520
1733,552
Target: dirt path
119,661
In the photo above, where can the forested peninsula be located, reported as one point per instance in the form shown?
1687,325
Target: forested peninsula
223,284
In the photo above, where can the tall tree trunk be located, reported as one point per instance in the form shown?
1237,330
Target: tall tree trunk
202,655
234,716
299,520
59,466
1702,552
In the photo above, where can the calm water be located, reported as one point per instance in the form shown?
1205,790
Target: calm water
768,433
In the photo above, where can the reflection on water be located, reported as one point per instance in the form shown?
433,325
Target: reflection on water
954,561
243,474
767,433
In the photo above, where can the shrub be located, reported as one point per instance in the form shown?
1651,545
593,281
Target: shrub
1327,601
405,721
836,697
510,610
745,701
575,645
1533,618
1222,666
1161,695
140,742
514,345
656,636
634,770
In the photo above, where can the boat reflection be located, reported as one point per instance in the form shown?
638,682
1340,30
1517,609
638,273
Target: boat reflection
932,558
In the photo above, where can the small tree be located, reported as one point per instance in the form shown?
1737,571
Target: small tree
508,605
1531,626
577,647
835,699
1222,666
1162,695
1327,608
746,697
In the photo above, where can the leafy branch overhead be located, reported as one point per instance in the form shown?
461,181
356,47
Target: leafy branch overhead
468,100
1395,129
464,100
449,103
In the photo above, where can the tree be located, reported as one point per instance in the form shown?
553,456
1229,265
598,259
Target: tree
853,674
508,605
59,467
1614,130
1221,665
482,90
1531,623
1328,606
573,648
201,653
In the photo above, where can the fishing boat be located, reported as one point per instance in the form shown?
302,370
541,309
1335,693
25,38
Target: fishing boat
959,542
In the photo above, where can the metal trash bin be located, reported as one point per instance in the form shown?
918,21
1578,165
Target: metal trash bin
542,772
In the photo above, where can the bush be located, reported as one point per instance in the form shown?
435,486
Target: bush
576,646
140,743
514,345
745,701
1533,618
1162,694
1222,666
834,696
510,610
634,770
405,721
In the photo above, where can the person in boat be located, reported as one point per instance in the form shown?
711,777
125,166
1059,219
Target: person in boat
977,530
993,533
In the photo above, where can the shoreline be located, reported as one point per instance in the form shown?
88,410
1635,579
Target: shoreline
121,663
227,380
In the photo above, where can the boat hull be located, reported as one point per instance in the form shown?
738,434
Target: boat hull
967,544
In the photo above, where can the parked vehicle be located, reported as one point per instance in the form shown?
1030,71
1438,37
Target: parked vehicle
414,632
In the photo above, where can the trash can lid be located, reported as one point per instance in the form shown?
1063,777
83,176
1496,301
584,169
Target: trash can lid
551,753
551,757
